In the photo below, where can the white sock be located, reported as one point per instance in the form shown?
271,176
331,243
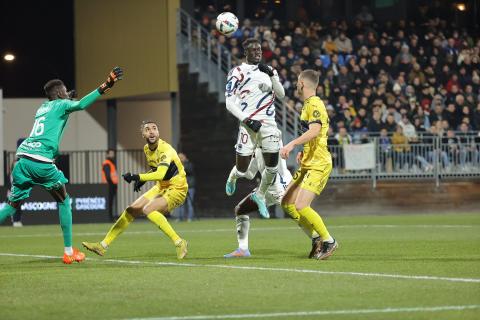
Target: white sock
235,174
243,226
104,245
329,239
268,178
68,251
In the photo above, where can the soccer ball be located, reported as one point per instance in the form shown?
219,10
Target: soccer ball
227,23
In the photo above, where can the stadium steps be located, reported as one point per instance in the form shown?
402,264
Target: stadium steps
207,136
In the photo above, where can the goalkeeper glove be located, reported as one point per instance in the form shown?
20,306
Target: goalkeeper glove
265,69
138,185
72,94
115,75
254,125
128,177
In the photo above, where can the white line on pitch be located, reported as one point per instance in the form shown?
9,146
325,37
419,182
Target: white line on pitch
224,266
36,235
315,313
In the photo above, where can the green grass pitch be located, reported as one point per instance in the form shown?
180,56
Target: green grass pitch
387,267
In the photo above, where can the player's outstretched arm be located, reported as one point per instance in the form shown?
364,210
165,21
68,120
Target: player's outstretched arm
115,75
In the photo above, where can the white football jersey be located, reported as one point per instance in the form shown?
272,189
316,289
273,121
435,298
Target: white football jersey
253,91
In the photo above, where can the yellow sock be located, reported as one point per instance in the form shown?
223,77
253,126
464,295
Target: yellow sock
314,218
306,226
160,220
118,227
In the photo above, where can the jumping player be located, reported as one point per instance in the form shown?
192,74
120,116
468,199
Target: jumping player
273,196
250,95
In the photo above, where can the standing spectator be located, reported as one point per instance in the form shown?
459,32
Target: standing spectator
343,138
109,176
401,149
385,146
187,209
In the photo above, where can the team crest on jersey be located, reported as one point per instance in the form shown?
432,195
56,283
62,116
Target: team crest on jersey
316,113
162,158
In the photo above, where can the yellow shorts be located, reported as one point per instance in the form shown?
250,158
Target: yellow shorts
313,180
174,195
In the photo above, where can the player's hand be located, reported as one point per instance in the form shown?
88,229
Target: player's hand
265,69
138,185
72,94
285,151
115,75
128,177
299,157
254,125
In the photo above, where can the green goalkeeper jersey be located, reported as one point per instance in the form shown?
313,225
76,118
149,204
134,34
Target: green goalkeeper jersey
50,122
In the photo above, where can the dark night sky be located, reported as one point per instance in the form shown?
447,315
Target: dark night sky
40,34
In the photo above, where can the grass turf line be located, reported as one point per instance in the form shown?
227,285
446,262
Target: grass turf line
44,288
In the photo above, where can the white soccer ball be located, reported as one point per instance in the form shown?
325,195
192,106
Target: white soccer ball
227,23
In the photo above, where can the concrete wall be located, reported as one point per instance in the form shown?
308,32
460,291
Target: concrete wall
132,113
139,36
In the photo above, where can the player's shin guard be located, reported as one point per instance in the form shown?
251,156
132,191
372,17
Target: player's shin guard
243,226
6,212
268,178
118,227
65,214
302,222
314,218
160,220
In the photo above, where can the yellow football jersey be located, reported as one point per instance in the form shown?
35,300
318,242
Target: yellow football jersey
165,155
315,152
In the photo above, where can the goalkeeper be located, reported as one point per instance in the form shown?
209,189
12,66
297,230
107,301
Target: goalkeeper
35,165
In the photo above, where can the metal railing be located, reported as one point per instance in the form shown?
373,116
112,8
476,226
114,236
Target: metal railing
203,53
435,160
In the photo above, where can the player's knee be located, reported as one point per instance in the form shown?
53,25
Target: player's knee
271,159
299,205
147,210
134,211
237,210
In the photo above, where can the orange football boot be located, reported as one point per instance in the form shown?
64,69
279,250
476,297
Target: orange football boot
77,256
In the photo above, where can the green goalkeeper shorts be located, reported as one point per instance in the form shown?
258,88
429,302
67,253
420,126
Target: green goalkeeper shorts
28,173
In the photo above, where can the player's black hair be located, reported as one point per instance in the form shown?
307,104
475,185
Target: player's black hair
51,88
248,42
145,122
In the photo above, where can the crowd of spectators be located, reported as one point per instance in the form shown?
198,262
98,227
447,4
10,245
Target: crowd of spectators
406,78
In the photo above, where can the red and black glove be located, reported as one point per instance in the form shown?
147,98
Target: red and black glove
115,75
